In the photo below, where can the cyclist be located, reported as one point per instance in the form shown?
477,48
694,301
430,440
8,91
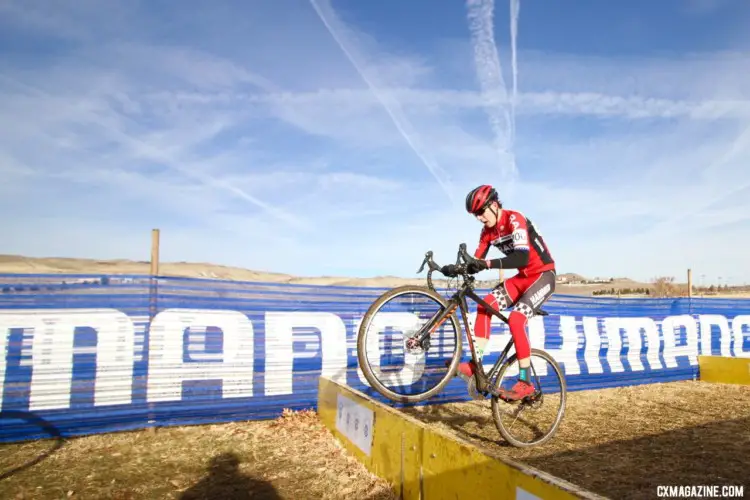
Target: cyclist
516,237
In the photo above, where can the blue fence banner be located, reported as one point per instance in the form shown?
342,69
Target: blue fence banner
87,354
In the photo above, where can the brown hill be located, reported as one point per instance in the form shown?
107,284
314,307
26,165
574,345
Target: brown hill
569,283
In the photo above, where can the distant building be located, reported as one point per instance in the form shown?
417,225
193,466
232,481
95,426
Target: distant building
575,280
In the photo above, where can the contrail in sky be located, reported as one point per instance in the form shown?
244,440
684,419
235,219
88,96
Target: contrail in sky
388,101
489,72
515,8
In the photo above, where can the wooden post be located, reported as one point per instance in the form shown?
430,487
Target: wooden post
690,283
154,272
154,252
153,306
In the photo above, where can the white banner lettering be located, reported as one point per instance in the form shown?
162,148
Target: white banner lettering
414,364
707,322
52,353
614,344
279,351
670,328
166,369
741,329
593,344
49,348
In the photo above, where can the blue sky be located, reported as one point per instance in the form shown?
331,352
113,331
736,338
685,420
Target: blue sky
340,137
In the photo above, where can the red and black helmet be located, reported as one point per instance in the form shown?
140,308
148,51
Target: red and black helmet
479,197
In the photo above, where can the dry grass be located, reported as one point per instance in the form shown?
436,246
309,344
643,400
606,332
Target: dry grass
666,287
619,442
293,457
623,442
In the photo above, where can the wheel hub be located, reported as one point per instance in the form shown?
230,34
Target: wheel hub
414,346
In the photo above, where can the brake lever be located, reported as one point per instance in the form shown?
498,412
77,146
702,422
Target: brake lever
421,268
427,258
464,254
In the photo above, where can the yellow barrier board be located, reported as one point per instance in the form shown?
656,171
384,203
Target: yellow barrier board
425,463
724,369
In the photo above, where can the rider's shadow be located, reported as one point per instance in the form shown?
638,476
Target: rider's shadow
462,423
224,481
478,427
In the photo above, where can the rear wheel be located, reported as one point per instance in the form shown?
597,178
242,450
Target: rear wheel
423,372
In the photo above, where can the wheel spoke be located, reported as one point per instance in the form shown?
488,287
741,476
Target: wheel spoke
394,367
549,406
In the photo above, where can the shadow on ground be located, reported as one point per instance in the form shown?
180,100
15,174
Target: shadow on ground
709,454
460,422
34,420
224,481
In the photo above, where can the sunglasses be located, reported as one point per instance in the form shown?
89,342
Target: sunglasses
480,210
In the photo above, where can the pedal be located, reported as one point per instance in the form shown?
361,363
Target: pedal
493,389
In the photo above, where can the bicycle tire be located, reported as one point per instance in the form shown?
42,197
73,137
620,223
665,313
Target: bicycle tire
361,345
496,401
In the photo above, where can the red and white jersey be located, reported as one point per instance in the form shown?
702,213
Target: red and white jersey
514,233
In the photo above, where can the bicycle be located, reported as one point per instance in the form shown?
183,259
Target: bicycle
481,385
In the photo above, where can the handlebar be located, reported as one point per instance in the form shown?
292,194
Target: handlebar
462,255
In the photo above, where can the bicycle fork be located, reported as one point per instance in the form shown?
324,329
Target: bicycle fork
430,327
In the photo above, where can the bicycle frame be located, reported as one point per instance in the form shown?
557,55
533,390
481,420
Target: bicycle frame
481,378
458,300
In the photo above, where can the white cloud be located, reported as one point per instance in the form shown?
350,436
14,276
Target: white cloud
702,7
275,150
498,106
340,33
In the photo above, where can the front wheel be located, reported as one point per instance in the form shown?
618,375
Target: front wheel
547,404
415,374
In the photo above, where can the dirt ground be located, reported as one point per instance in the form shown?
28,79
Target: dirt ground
294,457
624,442
620,443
